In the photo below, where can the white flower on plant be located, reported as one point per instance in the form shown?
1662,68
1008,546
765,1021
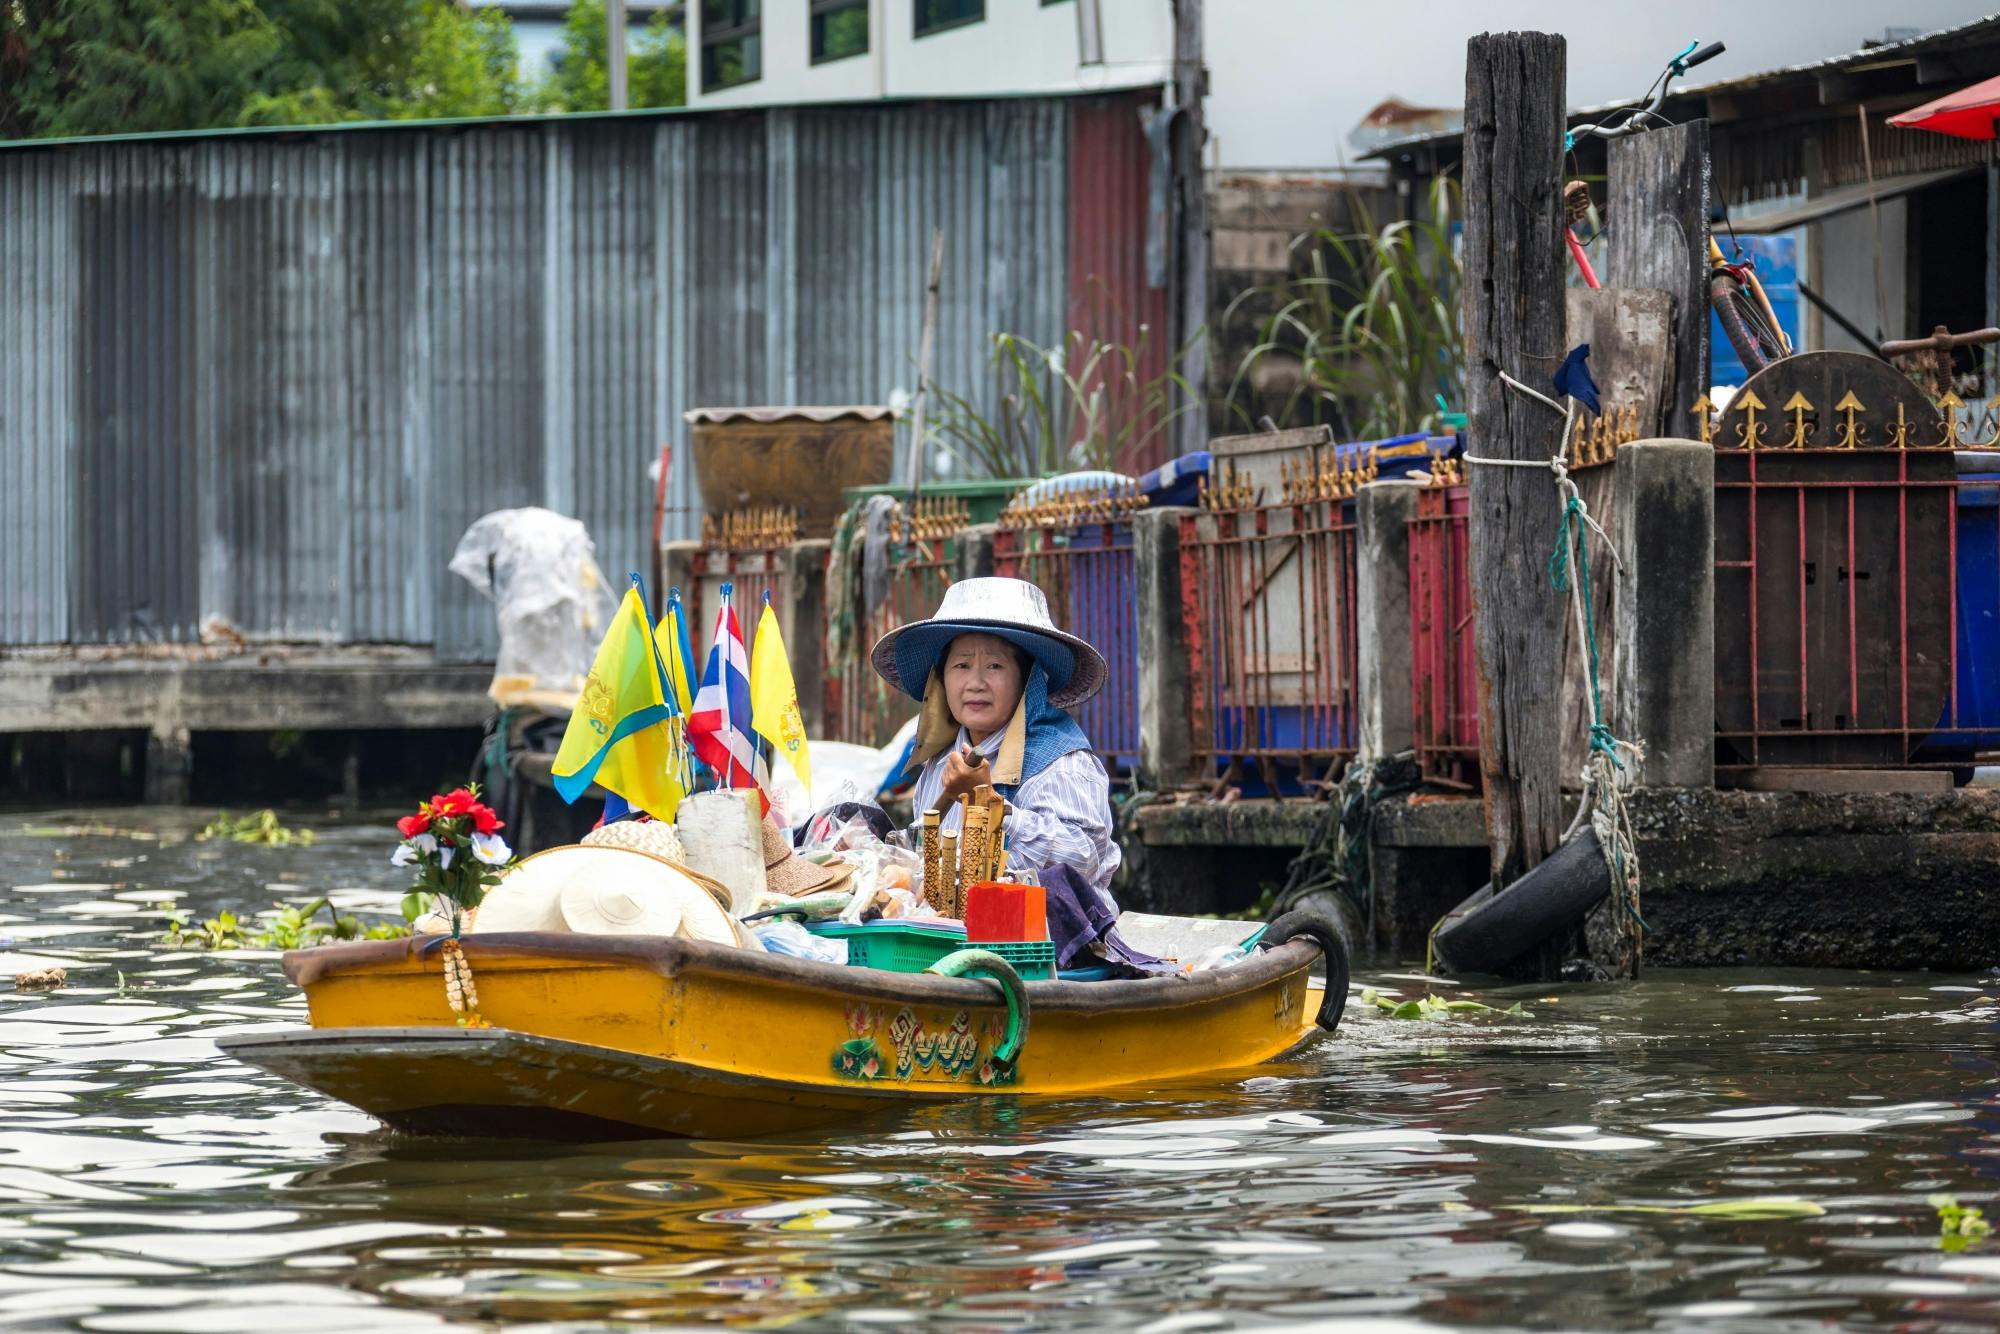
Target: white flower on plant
944,463
425,843
444,858
1056,360
491,849
900,400
404,855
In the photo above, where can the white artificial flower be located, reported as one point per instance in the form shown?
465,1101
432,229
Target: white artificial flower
491,849
425,843
444,858
404,855
900,400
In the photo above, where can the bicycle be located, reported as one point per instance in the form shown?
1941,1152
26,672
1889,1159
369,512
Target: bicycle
1738,299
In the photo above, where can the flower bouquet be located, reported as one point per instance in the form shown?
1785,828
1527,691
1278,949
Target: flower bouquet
454,842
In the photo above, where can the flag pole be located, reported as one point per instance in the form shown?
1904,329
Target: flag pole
722,680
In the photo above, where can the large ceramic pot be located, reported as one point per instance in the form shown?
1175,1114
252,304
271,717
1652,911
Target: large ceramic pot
798,458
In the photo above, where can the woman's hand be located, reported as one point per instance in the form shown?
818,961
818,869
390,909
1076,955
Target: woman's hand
964,771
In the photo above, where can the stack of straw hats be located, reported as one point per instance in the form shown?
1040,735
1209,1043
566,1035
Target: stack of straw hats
595,889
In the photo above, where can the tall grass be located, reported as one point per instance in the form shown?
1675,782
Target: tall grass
1373,322
1083,404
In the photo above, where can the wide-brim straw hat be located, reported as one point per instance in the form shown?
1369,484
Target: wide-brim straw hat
1012,609
787,873
654,836
607,891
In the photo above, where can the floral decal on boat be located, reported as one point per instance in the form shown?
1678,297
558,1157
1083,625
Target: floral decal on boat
950,1047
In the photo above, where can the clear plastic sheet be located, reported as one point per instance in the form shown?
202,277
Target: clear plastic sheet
540,570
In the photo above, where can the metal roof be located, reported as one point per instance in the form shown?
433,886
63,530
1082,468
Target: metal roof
1880,53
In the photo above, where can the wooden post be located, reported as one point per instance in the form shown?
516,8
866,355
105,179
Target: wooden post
1658,200
1189,290
1513,285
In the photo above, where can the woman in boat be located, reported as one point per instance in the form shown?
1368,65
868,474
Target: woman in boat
996,679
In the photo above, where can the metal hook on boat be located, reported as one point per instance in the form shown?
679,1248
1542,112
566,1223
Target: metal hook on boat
985,963
1323,934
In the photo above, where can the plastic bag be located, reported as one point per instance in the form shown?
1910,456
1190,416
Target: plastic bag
786,937
540,570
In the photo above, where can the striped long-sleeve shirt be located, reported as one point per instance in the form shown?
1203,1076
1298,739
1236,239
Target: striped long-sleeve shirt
1060,816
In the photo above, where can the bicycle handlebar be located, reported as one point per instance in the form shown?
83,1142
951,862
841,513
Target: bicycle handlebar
1707,53
1636,117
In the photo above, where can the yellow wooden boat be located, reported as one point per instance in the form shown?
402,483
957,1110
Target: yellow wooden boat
597,1035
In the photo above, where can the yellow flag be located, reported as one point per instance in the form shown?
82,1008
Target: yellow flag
774,698
619,736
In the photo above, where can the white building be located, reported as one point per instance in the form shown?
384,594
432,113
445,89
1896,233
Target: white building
771,52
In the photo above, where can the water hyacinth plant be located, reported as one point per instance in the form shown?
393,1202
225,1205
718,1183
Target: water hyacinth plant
1082,404
1373,323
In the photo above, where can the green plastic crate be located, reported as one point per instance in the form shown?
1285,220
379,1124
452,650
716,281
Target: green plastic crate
1032,959
983,499
890,946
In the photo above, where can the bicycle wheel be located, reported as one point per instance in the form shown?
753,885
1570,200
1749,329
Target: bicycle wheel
1757,344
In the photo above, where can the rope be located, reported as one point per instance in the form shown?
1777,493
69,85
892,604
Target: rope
1606,778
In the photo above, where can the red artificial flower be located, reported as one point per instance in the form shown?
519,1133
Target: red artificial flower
458,801
412,825
484,820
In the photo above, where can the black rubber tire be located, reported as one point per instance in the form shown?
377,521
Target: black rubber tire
1555,895
1333,952
1743,323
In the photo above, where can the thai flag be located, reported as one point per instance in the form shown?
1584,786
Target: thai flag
719,725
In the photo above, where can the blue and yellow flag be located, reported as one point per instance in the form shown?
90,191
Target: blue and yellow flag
620,735
677,654
774,697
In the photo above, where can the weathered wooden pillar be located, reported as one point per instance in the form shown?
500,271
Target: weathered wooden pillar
1513,317
1660,189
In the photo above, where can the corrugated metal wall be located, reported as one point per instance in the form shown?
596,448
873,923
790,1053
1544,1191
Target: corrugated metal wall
273,379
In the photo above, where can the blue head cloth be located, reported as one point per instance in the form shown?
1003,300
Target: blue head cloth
1573,378
1052,733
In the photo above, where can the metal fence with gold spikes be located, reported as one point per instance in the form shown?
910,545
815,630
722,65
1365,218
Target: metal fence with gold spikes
1850,610
1077,547
1268,598
1594,441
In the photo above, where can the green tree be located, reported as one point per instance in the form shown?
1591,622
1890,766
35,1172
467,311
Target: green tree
70,67
580,80
120,66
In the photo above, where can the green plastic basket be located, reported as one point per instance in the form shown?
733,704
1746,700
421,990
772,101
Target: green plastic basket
891,947
983,499
1032,959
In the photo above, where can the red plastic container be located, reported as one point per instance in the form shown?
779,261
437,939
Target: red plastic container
1001,911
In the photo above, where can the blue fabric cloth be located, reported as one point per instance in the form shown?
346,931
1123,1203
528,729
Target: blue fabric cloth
921,646
1573,378
1052,733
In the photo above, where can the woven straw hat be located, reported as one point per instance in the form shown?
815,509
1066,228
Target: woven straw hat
787,873
654,836
607,891
1013,609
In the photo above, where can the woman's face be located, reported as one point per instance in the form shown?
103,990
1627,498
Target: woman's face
982,682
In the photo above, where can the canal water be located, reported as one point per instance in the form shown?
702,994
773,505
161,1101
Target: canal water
1585,1167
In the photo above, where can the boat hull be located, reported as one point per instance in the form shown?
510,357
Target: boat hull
602,1035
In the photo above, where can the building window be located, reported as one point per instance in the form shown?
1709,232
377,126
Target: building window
938,15
732,43
839,29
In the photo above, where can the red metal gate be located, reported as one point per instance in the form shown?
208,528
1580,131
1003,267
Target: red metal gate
1268,601
1443,664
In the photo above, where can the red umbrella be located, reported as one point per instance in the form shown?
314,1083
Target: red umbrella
1968,113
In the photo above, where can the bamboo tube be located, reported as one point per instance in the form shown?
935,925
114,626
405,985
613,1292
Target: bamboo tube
971,853
933,861
948,891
